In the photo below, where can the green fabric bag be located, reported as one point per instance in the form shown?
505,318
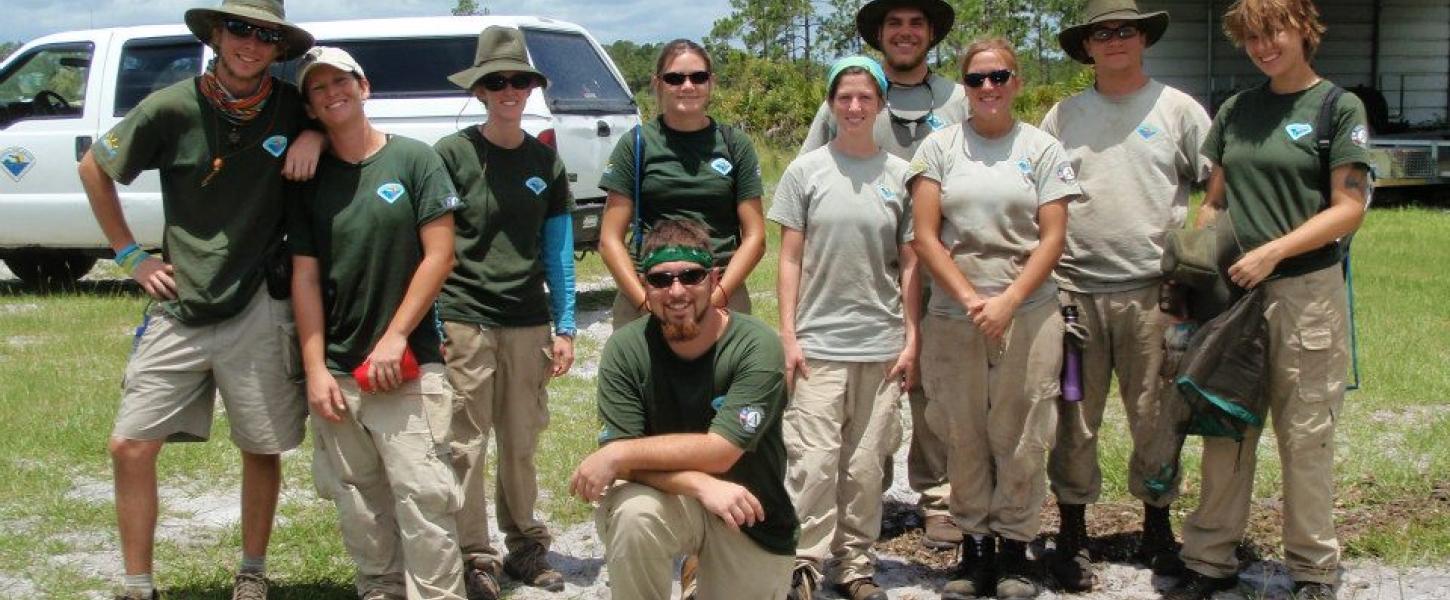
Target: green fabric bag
1198,259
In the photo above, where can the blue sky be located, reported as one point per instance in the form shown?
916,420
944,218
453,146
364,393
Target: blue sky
608,20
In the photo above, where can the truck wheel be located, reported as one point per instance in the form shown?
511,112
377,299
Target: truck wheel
48,270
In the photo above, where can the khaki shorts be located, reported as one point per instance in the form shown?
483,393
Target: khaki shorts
251,360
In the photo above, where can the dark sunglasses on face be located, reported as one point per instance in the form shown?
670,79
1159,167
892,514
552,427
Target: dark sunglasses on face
662,280
697,78
998,77
243,29
1125,32
494,82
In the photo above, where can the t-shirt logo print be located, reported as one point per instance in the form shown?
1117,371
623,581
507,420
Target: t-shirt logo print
722,166
750,418
391,191
1147,131
886,193
536,185
1298,130
275,145
1025,166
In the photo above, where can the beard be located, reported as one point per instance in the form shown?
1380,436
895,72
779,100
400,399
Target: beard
907,64
683,329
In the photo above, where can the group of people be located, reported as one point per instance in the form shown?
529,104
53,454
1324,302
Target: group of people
420,299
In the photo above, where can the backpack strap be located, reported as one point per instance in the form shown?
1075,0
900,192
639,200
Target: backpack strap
638,200
1324,127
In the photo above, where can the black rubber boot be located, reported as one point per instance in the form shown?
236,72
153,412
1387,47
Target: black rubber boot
1158,549
1069,562
1017,576
975,571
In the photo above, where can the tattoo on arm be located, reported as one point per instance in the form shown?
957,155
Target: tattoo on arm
1356,181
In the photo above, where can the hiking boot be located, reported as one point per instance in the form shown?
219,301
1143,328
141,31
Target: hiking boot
688,569
864,588
1196,586
975,570
1158,550
249,586
1069,563
1016,575
1311,590
377,595
135,595
941,533
480,579
802,584
530,565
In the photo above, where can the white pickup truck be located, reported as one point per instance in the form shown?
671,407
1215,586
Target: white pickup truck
59,92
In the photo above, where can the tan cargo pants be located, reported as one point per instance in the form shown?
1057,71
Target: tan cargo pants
926,458
1308,358
1125,338
1000,398
644,529
500,377
386,468
842,421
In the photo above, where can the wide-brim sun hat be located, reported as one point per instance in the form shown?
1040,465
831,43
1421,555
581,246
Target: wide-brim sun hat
1152,25
204,21
499,49
873,14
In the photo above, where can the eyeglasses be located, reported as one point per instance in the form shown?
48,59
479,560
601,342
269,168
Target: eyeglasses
663,280
243,29
1125,32
998,77
697,78
494,82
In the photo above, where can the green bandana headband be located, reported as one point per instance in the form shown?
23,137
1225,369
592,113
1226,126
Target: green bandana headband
665,254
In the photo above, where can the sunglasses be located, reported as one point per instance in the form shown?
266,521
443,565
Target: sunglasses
243,29
663,280
998,77
1125,32
494,82
697,78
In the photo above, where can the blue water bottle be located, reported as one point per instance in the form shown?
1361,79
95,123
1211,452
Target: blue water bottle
1071,357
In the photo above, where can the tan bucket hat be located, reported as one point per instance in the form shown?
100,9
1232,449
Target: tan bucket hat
1152,25
203,21
873,14
499,49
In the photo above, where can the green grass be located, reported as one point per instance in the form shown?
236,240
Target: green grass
62,357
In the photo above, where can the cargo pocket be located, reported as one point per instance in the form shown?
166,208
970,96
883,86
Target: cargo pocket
437,398
288,350
1315,345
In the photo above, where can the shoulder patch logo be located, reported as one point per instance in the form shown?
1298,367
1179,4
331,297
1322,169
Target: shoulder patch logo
722,166
1066,174
717,403
608,168
917,166
1024,166
1147,131
536,185
935,122
750,418
111,144
275,145
391,191
17,162
886,193
1360,136
1298,130
603,434
452,202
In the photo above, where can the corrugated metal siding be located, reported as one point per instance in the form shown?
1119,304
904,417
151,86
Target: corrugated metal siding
1414,58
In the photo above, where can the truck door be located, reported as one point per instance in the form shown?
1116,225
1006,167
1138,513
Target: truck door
46,122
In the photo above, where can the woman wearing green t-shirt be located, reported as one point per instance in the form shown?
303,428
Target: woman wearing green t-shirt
849,335
1268,175
688,166
989,203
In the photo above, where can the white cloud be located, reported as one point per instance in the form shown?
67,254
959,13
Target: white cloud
608,20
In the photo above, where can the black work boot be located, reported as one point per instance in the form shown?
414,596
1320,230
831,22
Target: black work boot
975,571
1196,586
1069,562
1158,550
1313,590
1016,575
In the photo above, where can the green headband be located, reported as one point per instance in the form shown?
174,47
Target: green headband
665,254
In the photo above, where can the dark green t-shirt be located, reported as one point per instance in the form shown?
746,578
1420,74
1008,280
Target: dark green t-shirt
361,222
219,237
1267,146
736,390
698,175
508,194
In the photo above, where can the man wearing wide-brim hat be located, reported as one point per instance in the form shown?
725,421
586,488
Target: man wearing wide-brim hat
1134,143
513,279
218,324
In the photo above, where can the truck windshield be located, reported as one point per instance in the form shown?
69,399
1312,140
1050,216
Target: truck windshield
49,81
579,79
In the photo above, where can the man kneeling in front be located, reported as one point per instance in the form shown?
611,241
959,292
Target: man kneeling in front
691,459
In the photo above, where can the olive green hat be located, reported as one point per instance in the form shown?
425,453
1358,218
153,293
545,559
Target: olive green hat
873,14
1152,25
204,21
499,49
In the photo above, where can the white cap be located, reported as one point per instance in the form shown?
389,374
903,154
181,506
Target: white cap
327,55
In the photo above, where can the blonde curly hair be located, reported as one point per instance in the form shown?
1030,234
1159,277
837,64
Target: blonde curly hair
1266,17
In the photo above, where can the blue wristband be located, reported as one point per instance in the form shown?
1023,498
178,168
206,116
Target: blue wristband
130,249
